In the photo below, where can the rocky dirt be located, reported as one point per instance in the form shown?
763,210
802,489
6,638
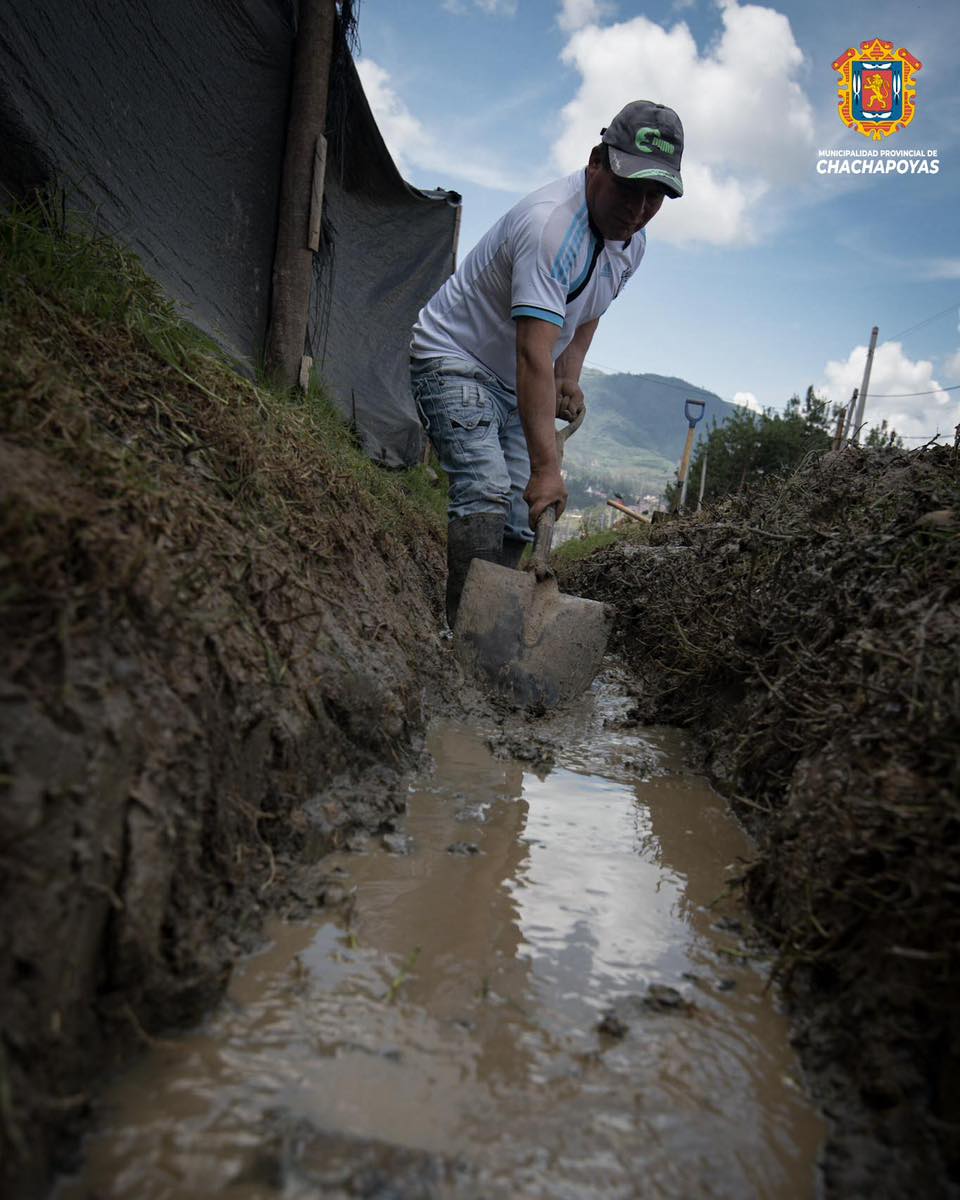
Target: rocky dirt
809,634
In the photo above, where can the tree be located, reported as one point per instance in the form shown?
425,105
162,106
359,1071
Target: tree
749,446
882,436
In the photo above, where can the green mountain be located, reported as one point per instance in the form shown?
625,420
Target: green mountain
633,436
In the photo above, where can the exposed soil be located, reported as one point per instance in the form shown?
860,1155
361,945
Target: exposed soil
217,638
809,633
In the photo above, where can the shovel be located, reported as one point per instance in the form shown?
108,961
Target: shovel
519,635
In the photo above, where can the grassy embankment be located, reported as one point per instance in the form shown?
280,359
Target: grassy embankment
809,633
214,608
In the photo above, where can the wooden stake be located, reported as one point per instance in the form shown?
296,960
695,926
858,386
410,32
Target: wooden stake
841,421
316,193
293,259
703,480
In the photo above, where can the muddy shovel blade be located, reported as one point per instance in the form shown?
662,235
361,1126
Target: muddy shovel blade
524,639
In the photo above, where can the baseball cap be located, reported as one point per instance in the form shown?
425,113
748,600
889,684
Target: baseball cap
646,142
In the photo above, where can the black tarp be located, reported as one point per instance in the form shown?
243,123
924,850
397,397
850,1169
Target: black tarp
386,249
166,122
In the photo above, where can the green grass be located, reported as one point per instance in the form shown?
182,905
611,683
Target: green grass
395,492
133,442
52,266
66,260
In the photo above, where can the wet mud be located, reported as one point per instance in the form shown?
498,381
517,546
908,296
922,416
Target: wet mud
538,982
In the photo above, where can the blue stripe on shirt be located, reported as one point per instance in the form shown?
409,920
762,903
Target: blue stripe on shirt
542,314
586,266
570,246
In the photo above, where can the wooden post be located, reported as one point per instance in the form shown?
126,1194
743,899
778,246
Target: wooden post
841,422
316,192
703,479
293,258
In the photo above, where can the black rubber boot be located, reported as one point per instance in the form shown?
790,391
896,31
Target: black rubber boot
513,549
477,536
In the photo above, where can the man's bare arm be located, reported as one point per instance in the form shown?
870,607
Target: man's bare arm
567,370
537,401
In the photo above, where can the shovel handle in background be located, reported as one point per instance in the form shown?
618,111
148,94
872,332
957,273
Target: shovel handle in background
693,411
543,539
627,512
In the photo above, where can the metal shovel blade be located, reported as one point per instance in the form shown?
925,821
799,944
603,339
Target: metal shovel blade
526,640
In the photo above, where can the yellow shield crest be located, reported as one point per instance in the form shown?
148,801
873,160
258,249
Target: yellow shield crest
877,92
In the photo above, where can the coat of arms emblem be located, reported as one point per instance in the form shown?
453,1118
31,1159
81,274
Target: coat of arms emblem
877,92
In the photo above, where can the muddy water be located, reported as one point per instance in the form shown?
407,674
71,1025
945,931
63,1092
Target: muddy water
545,994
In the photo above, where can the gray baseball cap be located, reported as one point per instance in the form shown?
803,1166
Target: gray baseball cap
646,142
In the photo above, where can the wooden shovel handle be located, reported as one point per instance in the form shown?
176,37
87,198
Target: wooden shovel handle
548,518
572,427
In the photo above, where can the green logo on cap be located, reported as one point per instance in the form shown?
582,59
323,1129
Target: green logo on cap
648,134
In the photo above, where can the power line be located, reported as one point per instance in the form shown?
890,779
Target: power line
925,321
901,395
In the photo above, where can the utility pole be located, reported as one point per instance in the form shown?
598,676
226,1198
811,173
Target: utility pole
857,420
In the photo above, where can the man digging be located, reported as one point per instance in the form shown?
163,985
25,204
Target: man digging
496,354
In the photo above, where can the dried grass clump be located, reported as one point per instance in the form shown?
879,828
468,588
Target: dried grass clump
810,633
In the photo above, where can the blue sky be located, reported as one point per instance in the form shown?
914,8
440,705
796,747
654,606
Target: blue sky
765,276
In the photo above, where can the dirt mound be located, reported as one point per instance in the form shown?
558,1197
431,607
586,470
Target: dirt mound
217,617
809,632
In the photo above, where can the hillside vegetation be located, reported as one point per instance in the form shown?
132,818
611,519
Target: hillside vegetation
634,433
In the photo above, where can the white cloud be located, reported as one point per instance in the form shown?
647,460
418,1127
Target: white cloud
747,121
574,14
941,268
951,367
493,8
892,374
748,400
406,138
416,149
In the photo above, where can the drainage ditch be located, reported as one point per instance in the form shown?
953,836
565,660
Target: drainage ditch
539,984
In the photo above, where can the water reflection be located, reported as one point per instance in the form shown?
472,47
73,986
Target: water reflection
455,1014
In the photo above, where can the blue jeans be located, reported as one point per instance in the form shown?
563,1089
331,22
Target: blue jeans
473,422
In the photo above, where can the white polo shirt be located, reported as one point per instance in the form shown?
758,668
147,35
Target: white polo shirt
541,259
